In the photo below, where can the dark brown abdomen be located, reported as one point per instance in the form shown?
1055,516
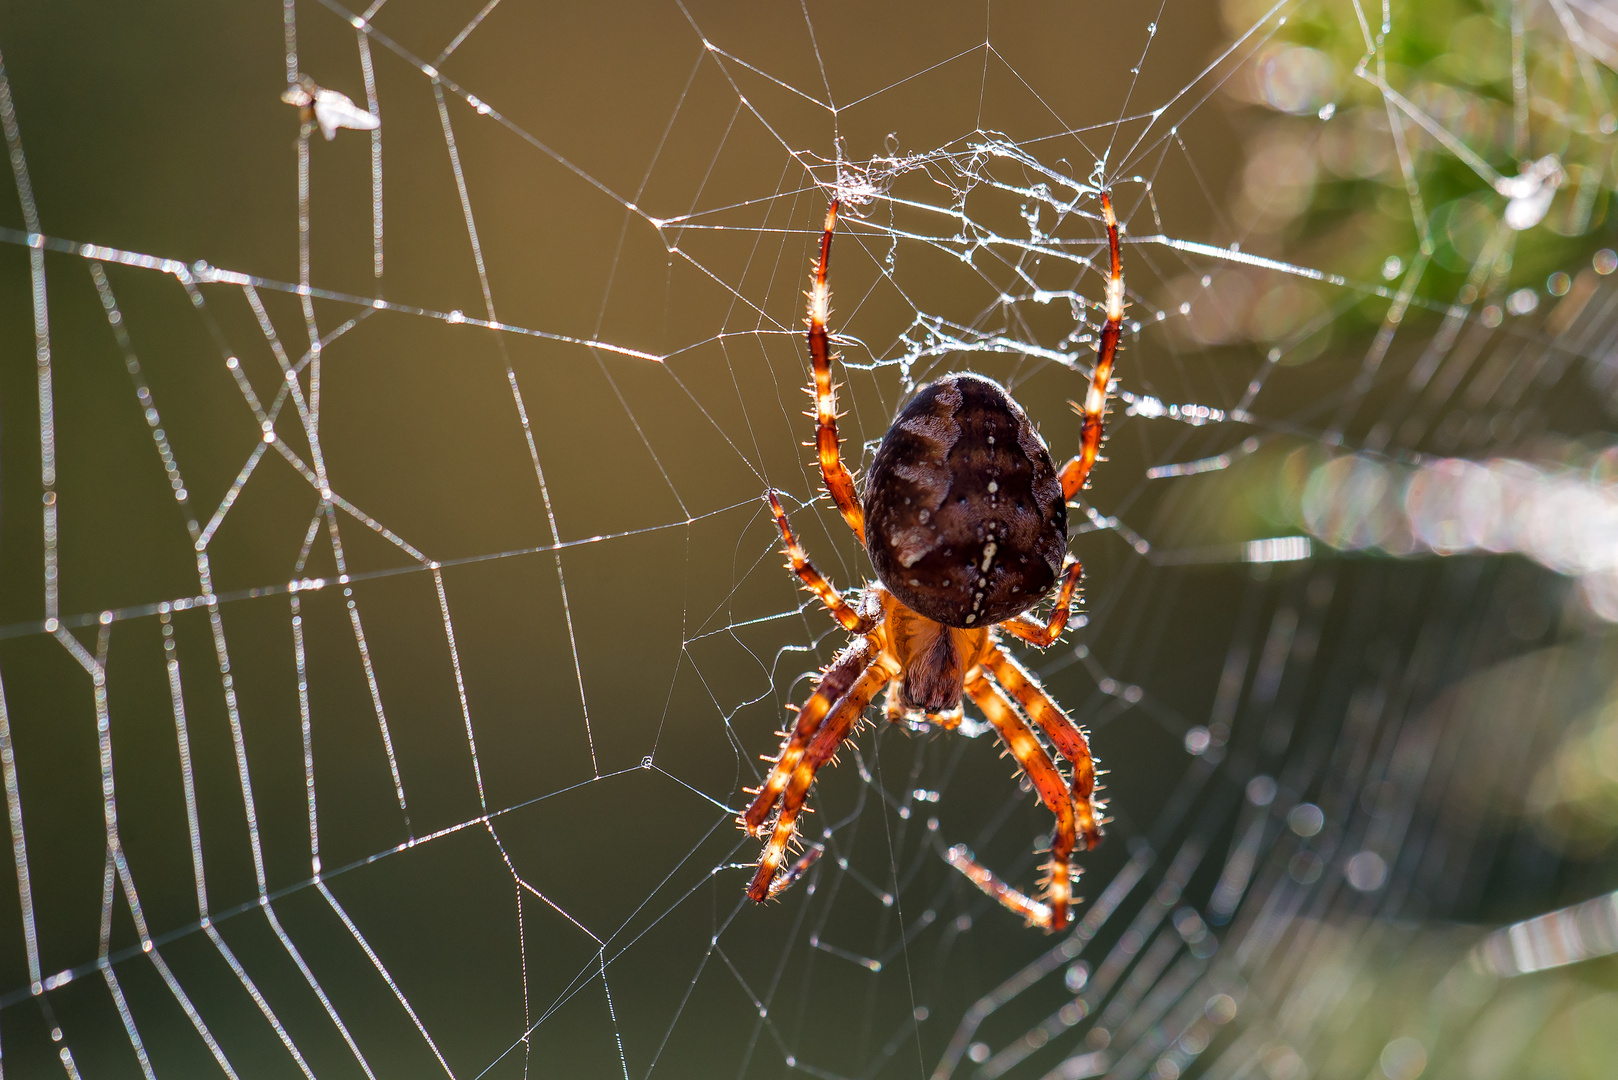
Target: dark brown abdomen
964,517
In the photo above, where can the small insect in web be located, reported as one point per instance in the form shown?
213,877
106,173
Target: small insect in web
327,108
964,518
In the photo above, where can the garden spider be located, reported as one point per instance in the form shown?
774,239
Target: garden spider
965,522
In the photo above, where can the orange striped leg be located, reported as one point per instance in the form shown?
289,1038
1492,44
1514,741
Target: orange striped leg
1042,635
785,881
834,683
828,448
1065,735
1094,409
837,726
1034,912
1053,913
798,562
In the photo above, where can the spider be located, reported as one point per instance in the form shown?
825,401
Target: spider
965,522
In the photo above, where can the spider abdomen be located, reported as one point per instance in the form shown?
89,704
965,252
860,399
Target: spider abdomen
965,520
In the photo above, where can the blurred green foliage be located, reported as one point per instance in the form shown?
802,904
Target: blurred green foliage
1361,118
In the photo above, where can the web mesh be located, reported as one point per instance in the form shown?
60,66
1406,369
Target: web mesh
400,626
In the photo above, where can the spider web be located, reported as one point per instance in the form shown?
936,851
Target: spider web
400,624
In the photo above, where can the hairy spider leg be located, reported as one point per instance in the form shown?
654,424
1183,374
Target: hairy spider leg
1032,911
837,726
798,562
1044,634
839,482
1047,781
834,683
1065,735
1094,409
785,881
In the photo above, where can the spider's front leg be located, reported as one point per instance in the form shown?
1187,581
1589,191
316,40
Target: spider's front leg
828,446
1094,409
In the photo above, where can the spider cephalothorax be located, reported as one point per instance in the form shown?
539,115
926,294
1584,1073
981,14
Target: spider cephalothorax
965,521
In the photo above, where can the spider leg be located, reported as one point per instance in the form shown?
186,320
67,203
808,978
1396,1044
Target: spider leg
798,562
1041,635
1075,472
1035,912
1065,735
839,482
785,881
844,715
833,684
1053,913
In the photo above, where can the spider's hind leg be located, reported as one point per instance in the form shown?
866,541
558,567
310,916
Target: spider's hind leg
1068,738
1053,913
834,682
789,878
837,726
